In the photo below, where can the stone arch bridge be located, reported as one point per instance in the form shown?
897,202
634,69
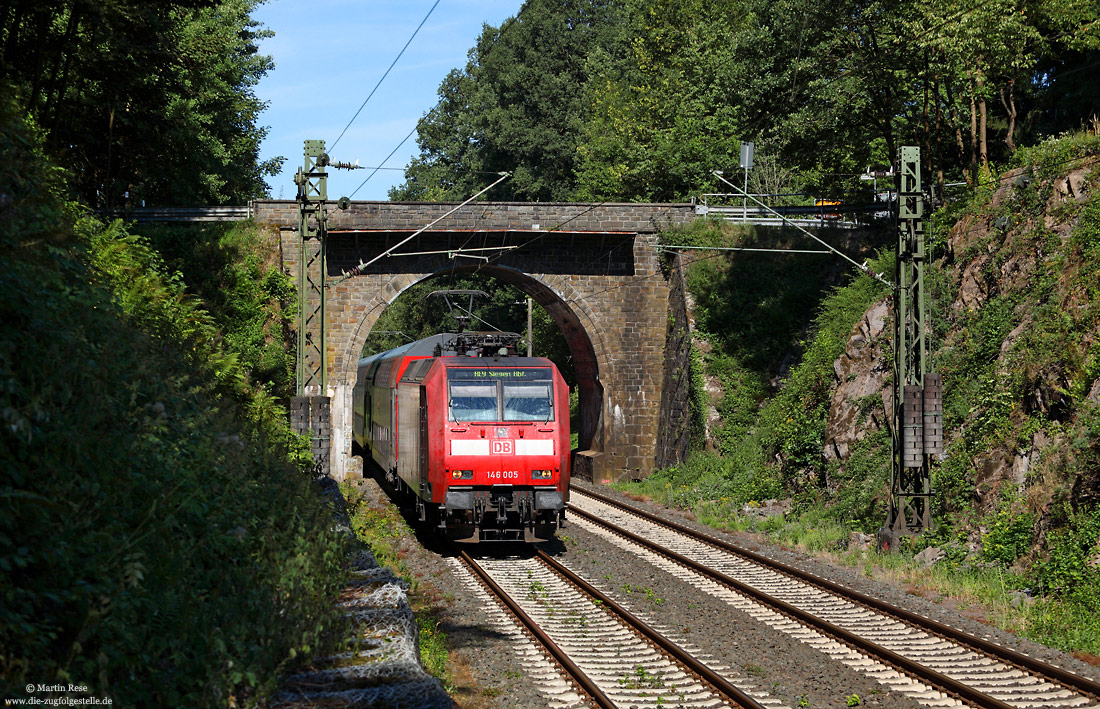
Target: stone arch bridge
594,267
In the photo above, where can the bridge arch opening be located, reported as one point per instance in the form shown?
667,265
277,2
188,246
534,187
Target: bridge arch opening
581,337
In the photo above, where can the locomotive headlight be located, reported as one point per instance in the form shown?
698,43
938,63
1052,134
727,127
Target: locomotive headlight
462,474
540,474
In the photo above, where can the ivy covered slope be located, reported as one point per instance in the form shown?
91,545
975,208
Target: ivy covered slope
159,542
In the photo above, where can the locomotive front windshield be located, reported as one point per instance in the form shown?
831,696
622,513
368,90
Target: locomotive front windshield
528,402
474,401
501,394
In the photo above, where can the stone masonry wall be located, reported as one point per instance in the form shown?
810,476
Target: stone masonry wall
517,216
674,435
605,290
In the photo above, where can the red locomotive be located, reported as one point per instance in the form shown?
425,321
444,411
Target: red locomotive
478,435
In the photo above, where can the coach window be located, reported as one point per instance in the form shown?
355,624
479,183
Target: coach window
530,401
474,401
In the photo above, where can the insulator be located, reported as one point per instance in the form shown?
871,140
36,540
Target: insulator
346,166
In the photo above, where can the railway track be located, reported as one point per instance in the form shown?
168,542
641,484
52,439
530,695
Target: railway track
933,663
611,657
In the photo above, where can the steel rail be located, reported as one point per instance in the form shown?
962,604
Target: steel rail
1053,672
640,626
914,669
528,622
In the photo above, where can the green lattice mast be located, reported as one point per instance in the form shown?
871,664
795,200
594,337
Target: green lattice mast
917,416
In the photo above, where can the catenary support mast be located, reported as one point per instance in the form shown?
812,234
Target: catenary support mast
310,407
917,416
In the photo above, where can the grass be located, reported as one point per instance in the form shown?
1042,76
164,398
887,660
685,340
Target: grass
382,529
641,678
987,591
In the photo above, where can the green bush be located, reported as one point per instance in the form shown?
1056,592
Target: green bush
860,491
1052,156
230,267
1066,570
733,479
1009,535
158,543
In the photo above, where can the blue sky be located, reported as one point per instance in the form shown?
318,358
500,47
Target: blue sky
328,56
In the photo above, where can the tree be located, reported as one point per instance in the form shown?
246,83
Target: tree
664,116
517,106
651,105
143,101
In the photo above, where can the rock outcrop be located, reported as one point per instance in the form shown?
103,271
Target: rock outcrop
861,395
1024,429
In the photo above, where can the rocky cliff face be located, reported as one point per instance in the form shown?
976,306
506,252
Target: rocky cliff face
1017,308
862,380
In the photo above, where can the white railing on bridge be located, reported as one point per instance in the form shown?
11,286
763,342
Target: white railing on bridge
820,213
182,214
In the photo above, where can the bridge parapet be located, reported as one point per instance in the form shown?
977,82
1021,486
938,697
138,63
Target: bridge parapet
637,218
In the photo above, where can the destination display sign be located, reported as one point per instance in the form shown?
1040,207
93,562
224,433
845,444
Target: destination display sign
505,373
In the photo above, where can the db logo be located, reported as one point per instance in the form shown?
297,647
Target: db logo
502,447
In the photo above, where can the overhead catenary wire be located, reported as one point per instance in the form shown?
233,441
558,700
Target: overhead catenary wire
459,250
862,267
679,247
505,27
474,316
719,254
387,73
554,228
375,171
504,30
364,264
637,279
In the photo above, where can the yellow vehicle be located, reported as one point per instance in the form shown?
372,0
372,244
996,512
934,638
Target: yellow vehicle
828,208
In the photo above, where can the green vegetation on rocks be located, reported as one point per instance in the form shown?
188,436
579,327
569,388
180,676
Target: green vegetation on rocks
751,310
1016,326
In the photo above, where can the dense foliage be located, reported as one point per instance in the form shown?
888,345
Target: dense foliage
158,542
233,268
774,325
145,102
641,100
1016,321
517,106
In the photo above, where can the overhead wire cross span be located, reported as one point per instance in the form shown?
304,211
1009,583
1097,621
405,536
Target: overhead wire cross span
862,267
